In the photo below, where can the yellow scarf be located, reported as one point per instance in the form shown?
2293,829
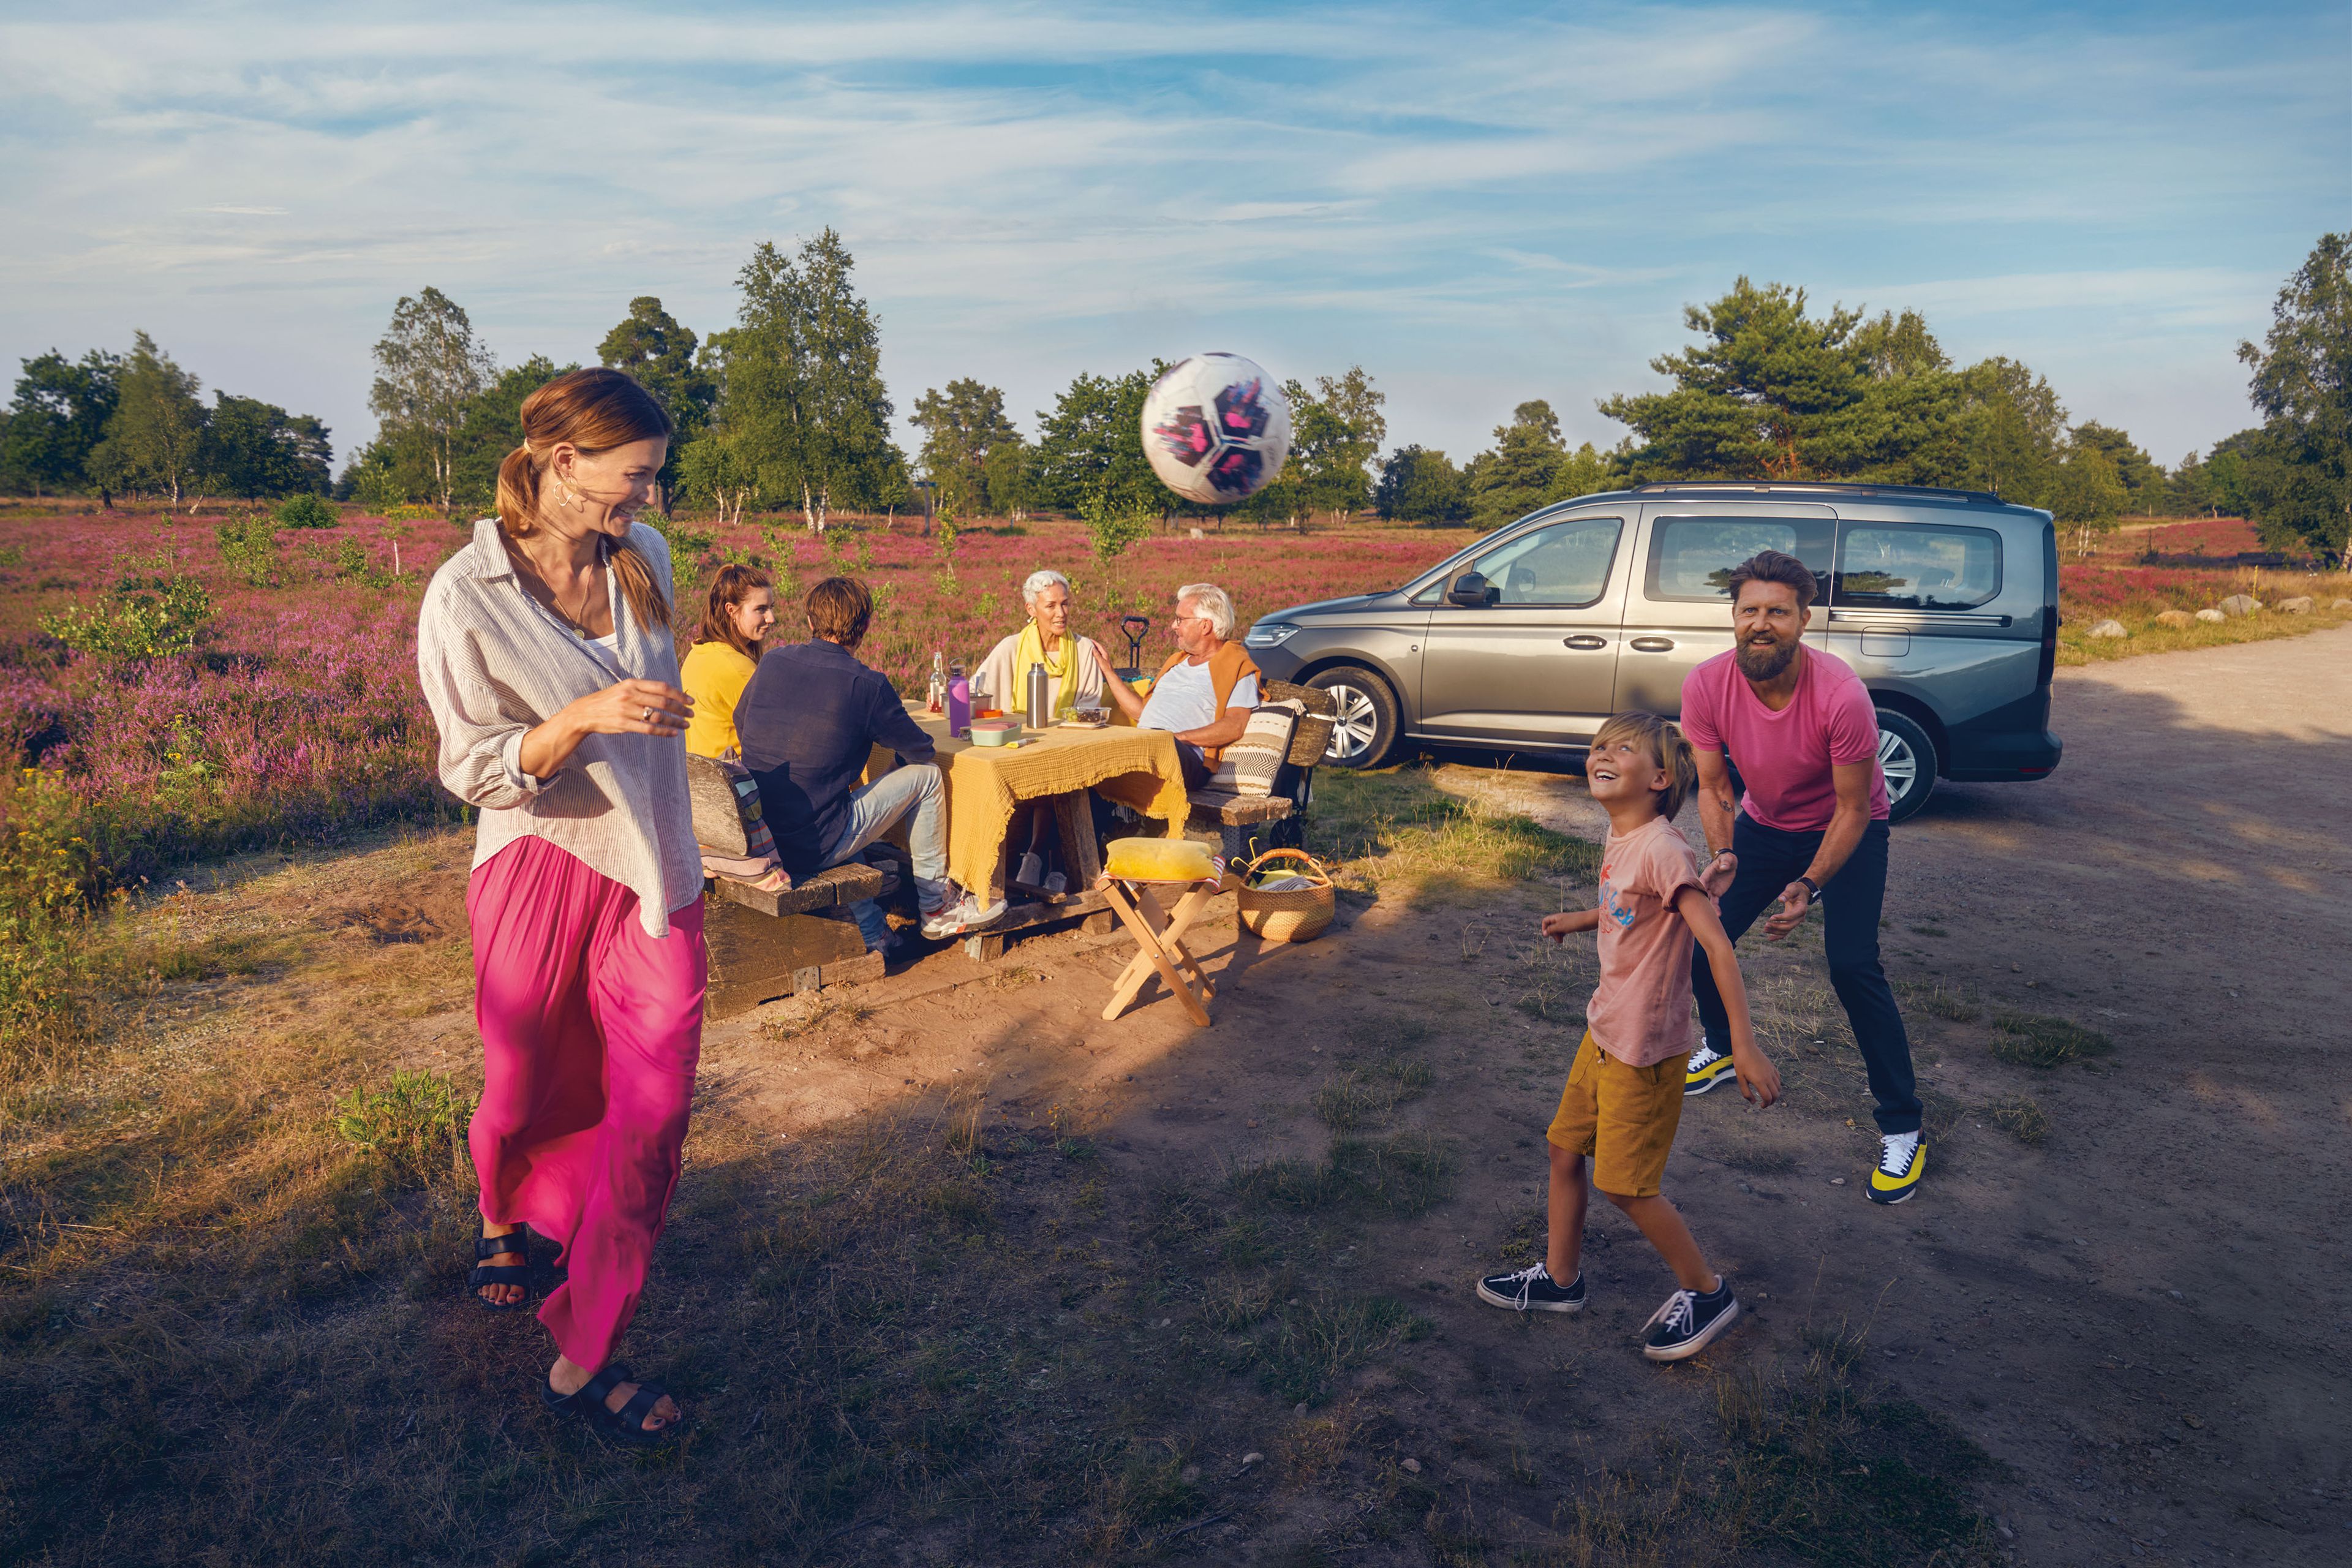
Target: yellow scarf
1031,650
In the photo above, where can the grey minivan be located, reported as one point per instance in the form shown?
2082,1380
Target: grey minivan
1944,601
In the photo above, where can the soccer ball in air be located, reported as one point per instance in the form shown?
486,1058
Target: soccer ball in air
1216,428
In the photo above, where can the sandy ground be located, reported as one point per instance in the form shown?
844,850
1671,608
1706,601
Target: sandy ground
2134,1318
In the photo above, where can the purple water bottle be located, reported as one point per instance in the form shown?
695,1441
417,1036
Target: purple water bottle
959,702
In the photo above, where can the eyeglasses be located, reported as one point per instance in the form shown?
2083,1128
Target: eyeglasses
1180,620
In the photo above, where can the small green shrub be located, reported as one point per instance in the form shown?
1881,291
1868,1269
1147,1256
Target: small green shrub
416,1124
248,548
154,611
48,868
308,511
2031,1040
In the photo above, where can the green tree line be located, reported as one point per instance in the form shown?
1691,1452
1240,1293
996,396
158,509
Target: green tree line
137,424
787,409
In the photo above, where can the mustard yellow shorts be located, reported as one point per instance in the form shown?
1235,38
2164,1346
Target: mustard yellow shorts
1622,1117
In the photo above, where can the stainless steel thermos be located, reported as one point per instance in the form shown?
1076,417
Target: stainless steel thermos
1041,697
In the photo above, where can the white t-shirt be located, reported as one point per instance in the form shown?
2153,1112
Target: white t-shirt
1185,699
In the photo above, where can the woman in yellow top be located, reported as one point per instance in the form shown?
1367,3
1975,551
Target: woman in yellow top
740,609
1073,673
738,613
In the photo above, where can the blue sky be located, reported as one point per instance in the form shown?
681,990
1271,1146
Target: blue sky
1478,204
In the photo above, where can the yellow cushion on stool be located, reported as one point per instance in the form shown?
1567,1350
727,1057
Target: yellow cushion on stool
1156,860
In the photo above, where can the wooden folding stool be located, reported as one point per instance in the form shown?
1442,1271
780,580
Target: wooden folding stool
1160,945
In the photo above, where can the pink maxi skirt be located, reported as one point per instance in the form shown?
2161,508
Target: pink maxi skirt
591,1031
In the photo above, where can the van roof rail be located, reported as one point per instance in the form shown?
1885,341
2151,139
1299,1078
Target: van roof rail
1786,486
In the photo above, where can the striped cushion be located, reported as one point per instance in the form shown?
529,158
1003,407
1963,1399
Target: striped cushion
1250,763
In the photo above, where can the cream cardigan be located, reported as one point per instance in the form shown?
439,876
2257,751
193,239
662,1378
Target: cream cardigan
495,664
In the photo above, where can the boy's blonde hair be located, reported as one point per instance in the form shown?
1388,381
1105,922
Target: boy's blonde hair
1667,748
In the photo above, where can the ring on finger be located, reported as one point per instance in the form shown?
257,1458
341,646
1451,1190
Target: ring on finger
646,714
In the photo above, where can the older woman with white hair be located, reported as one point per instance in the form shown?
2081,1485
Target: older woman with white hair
1073,664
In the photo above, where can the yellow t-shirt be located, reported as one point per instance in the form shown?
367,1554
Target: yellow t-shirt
714,675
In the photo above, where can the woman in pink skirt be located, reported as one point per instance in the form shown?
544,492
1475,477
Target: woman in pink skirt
545,650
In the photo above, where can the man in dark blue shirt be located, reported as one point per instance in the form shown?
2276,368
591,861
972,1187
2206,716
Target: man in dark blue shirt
809,721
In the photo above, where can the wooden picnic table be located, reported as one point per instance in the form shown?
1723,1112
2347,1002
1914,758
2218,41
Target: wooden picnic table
986,785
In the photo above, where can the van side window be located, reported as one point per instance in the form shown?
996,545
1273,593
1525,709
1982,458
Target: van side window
1691,558
1564,567
1918,566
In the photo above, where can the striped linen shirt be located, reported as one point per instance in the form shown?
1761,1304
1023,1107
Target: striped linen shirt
495,664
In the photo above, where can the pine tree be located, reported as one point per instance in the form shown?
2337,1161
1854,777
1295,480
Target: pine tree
2299,476
651,346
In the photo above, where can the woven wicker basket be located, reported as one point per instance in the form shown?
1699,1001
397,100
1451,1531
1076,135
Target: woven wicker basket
1293,914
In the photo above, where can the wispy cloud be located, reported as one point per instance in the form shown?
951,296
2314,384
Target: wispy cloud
1477,204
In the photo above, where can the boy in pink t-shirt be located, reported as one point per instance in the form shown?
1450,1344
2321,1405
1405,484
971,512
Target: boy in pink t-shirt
1624,1094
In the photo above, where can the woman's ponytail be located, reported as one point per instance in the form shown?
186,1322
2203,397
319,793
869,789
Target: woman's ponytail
518,492
636,575
594,410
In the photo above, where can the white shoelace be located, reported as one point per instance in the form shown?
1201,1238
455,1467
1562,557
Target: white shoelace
1706,1056
1680,1312
1526,1280
1897,1151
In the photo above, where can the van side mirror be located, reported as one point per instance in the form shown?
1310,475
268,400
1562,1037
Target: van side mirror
1472,591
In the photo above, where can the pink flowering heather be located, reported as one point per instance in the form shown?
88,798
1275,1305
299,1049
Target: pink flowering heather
297,717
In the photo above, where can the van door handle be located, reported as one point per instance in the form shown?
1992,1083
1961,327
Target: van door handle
1587,641
1653,644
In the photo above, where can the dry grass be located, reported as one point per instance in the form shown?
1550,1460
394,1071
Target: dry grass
1395,828
2021,1118
2029,1039
235,1236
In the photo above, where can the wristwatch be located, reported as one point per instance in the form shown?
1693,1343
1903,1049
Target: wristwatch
1812,888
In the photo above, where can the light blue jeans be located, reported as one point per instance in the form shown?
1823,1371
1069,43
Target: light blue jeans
872,811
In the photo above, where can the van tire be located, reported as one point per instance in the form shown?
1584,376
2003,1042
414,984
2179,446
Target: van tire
1365,732
1907,755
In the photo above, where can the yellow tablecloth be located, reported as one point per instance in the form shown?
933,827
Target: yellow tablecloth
1135,767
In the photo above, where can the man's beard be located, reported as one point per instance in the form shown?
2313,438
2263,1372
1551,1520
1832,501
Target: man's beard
1765,663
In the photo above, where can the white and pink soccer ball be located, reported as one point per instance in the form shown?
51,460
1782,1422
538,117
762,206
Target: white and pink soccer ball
1216,428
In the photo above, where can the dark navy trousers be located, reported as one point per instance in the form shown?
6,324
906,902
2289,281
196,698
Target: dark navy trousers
1770,860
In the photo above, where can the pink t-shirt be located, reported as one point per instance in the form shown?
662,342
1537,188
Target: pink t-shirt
1641,1011
1785,758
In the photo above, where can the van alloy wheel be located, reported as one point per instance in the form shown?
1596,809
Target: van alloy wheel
1364,729
1353,731
1907,756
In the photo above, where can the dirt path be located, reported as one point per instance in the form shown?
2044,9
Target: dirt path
2139,1315
2134,1317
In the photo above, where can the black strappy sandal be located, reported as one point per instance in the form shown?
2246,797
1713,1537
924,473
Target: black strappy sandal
627,1425
486,1247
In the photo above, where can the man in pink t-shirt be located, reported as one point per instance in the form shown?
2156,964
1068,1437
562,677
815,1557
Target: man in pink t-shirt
1813,823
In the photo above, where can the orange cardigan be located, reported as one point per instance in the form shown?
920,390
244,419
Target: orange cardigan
1226,667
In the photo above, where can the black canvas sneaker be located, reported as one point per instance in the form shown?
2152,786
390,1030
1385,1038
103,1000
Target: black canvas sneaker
1531,1290
1689,1322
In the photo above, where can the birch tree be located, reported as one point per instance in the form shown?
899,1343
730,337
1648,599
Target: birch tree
429,369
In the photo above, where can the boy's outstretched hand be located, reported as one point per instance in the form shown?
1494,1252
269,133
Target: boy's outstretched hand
1760,1080
1568,922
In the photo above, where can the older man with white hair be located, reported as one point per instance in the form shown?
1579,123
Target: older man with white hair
1205,692
1073,664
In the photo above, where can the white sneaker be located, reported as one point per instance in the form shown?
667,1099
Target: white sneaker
966,914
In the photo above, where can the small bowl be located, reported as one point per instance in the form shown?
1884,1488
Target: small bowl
994,732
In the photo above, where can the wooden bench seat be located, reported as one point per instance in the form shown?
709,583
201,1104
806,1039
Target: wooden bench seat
1232,816
764,945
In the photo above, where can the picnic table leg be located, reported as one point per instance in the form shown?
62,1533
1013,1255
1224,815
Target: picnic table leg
1151,960
1074,822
